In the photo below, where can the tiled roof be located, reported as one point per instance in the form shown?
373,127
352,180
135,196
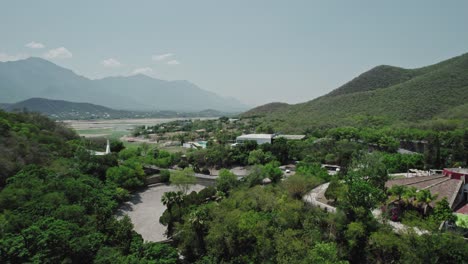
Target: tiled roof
413,180
436,184
463,210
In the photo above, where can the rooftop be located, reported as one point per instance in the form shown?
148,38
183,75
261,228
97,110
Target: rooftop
463,210
256,136
436,184
458,170
291,137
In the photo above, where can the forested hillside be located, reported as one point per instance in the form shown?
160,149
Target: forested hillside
390,93
55,203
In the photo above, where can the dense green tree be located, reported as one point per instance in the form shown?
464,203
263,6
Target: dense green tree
183,179
126,177
326,253
226,181
443,212
335,189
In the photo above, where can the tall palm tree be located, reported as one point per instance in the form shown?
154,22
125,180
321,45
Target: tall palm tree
178,198
197,220
425,198
398,190
168,199
409,196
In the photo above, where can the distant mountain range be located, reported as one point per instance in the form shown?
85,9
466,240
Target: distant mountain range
387,92
59,109
39,78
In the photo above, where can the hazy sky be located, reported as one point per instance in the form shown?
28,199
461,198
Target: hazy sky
256,51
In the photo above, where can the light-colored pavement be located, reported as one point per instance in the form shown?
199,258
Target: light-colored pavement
145,208
397,227
311,198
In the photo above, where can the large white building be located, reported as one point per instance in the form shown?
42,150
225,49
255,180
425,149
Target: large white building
259,138
266,138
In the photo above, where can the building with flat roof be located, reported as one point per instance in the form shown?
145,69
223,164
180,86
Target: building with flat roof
290,137
259,138
266,138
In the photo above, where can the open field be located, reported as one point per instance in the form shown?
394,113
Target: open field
462,220
116,128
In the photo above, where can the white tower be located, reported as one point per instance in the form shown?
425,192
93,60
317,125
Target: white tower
108,147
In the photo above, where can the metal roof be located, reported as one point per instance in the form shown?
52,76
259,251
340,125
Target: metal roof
291,137
256,136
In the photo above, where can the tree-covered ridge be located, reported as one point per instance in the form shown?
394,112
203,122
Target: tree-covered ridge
266,109
58,205
379,77
429,92
30,139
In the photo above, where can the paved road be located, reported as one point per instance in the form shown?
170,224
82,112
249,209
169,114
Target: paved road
311,198
398,227
145,208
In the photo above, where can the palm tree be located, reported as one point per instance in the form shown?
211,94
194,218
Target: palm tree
398,190
409,196
197,220
425,198
168,199
178,198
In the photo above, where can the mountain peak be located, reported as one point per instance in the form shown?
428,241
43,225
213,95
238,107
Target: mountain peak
388,93
36,77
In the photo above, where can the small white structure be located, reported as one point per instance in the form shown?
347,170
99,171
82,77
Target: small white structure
100,153
259,138
193,145
108,148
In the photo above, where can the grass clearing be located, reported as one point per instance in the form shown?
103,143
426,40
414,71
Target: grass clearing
462,220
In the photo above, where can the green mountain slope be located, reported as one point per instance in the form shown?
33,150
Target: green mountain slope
392,93
266,109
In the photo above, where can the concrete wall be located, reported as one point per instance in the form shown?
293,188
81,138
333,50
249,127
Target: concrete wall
153,179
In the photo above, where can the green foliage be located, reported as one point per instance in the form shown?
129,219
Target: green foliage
443,212
387,93
272,171
129,176
30,139
165,176
226,181
60,209
326,253
298,185
396,162
183,179
335,189
129,153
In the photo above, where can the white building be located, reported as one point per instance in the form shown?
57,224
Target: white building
259,138
99,153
